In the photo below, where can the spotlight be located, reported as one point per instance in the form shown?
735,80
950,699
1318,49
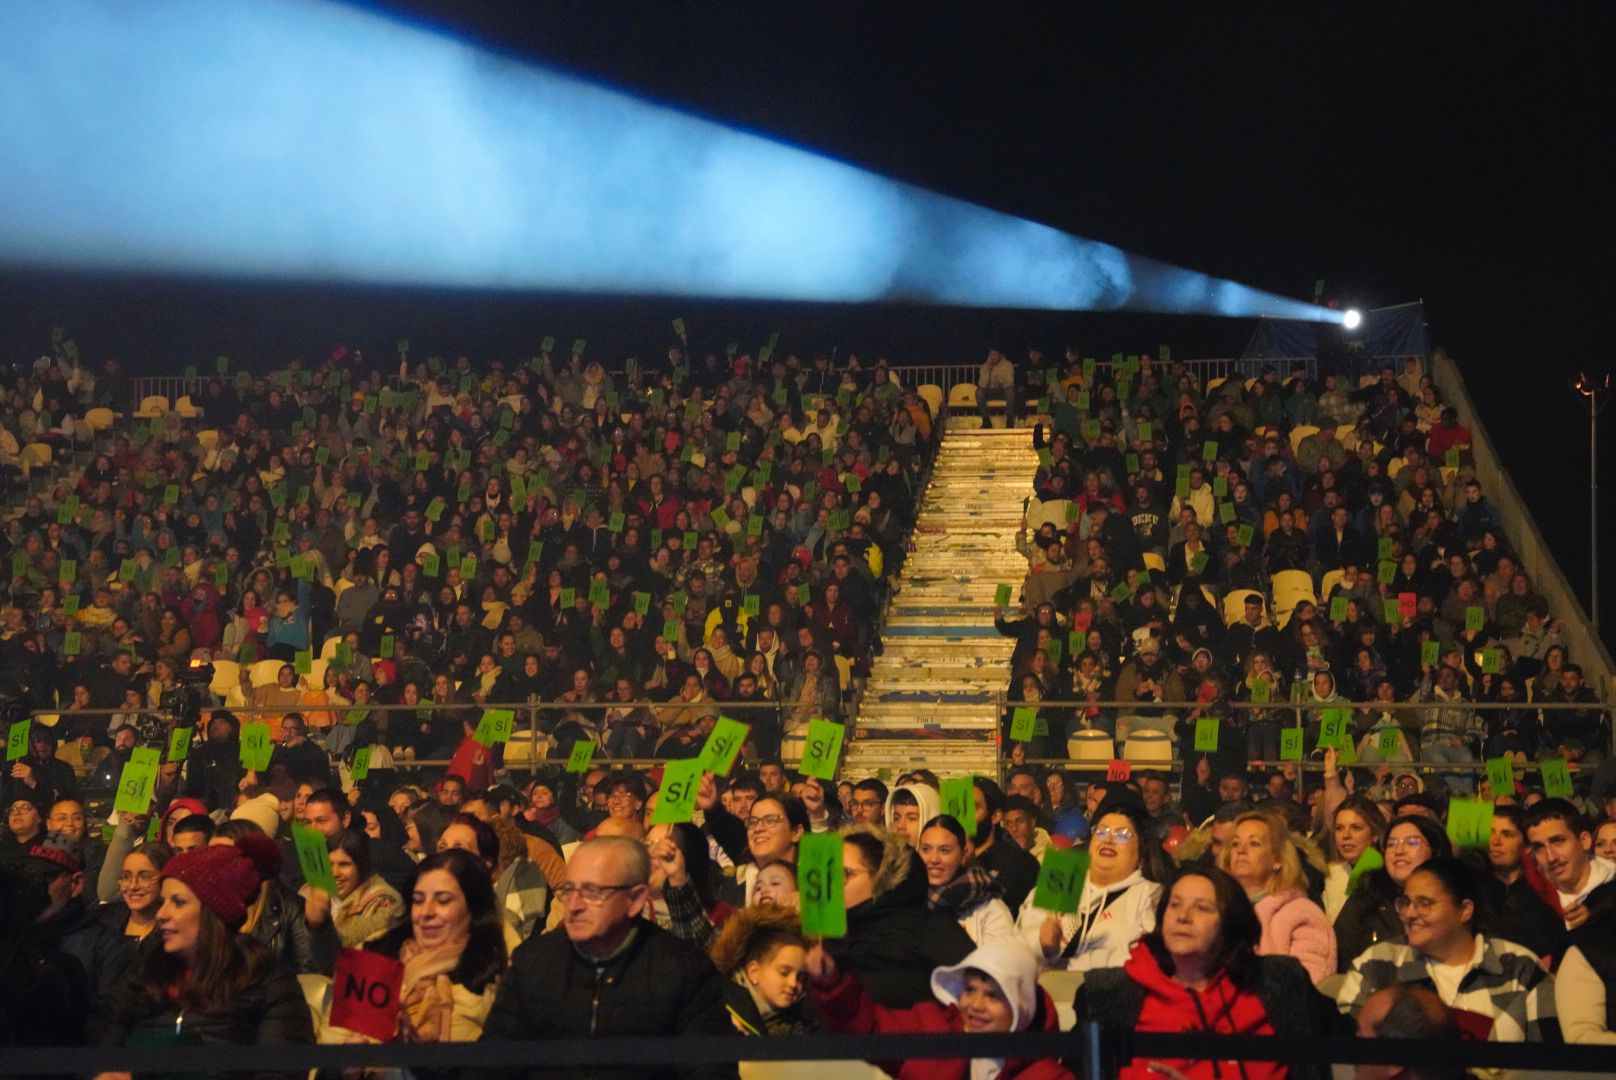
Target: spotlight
1352,319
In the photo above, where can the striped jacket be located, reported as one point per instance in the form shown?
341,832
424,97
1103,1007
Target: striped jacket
1504,983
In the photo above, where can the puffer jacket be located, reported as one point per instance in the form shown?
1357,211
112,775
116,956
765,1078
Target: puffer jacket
1293,925
656,985
271,1010
1367,917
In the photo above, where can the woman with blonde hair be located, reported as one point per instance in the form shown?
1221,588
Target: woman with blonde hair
1264,858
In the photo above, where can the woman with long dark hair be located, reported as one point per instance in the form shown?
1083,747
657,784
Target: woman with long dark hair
1198,971
452,946
207,982
365,907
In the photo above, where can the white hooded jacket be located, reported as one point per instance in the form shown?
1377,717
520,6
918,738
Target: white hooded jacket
1105,926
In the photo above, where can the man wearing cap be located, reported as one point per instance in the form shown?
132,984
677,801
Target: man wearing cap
102,953
1146,679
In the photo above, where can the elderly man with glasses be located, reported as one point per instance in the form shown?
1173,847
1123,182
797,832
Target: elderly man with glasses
608,971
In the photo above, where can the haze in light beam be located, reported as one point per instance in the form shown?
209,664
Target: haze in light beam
311,140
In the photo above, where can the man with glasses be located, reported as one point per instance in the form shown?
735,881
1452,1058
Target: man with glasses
610,972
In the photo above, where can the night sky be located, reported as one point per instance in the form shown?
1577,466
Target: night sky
1449,153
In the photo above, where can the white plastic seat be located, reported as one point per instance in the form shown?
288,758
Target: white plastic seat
1090,746
1148,748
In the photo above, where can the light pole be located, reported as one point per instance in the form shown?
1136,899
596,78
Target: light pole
1598,395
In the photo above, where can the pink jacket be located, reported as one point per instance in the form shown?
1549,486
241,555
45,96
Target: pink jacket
1293,925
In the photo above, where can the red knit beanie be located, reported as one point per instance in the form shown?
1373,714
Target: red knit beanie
224,879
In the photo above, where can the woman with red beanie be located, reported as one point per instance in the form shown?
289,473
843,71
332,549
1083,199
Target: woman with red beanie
206,982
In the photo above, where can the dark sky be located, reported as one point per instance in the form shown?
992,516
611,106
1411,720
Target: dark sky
1441,152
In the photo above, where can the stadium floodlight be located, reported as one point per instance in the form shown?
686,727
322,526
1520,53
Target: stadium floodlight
314,140
1352,319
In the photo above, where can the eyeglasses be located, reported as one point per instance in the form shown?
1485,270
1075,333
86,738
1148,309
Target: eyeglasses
144,877
1106,835
1413,843
1420,904
592,894
767,821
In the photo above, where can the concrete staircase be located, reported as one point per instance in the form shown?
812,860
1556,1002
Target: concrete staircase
929,700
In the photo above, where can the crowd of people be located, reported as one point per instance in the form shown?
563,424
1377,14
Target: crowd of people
1278,541
531,903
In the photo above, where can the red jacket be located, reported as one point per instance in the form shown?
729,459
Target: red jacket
845,1007
1172,1007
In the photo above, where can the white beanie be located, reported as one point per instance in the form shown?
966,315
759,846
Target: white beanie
263,811
1005,960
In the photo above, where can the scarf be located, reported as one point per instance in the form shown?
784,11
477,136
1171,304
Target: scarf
426,998
974,885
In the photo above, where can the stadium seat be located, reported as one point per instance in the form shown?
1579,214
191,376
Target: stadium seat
1090,746
99,419
208,440
1331,579
1393,467
317,993
1155,563
33,456
1366,381
152,407
1048,512
186,409
328,651
844,672
1234,604
226,677
962,396
1291,587
1213,384
265,672
1300,432
932,395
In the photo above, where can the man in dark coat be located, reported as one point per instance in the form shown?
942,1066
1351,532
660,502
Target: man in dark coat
607,972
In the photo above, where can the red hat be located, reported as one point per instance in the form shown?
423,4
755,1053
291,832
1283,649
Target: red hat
223,878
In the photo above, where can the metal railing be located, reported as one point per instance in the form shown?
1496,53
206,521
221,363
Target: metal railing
172,387
1094,1050
949,375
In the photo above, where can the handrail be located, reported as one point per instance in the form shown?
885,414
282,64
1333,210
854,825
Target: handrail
1537,561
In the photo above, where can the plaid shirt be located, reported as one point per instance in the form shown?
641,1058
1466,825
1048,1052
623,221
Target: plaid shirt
1504,982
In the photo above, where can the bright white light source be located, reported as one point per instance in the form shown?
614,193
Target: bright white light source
1352,319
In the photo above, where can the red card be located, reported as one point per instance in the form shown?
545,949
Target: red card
364,993
1081,621
1119,770
1407,606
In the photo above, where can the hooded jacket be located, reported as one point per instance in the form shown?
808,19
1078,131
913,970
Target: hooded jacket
1140,996
893,939
931,803
1104,928
845,1007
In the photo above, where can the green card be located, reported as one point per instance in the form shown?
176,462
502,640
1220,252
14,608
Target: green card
1475,618
303,661
670,631
1225,511
1145,430
1386,572
1556,777
1132,464
615,523
820,878
137,783
600,594
1450,459
17,739
567,597
360,767
1492,661
1001,596
676,798
1333,728
495,726
1245,535
751,604
72,642
1387,743
1290,744
1371,859
1023,723
385,649
1060,879
70,605
1261,692
435,508
179,744
804,594
822,749
959,802
256,749
1470,823
1392,610
314,859
583,752
1209,451
642,603
1199,560
1182,488
1338,608
1206,734
468,567
1430,653
1500,777
1220,487
126,570
725,742
431,563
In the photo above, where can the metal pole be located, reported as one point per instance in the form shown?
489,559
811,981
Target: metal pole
1593,512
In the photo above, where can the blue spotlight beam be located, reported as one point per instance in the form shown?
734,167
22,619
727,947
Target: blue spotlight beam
309,139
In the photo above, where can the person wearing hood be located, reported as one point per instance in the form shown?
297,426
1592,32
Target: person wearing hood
1199,972
908,808
993,989
1117,904
956,884
762,956
1262,857
893,939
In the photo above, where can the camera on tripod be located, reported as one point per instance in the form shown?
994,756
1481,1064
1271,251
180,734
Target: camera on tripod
185,700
